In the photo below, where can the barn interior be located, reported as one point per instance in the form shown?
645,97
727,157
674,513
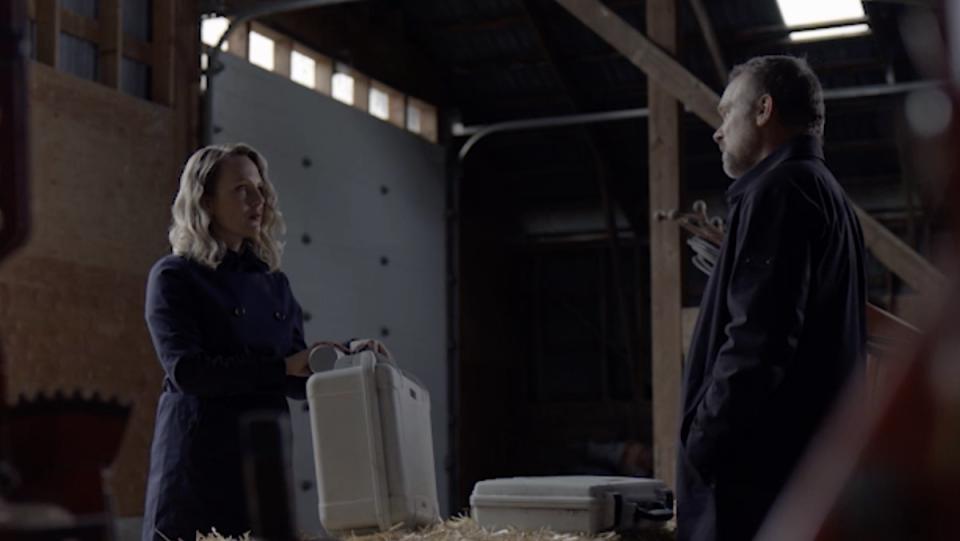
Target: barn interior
492,188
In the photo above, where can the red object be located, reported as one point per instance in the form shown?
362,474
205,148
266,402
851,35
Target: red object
62,446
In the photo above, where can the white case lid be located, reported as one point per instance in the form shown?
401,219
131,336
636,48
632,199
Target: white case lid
571,491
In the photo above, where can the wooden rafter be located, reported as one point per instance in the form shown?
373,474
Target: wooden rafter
659,66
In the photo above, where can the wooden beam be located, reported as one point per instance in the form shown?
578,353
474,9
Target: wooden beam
323,74
702,101
282,47
237,41
186,78
48,32
897,256
111,42
134,49
665,251
79,26
652,60
163,58
361,91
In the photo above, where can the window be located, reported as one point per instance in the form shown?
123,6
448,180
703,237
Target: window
413,118
273,51
303,69
343,88
211,29
813,12
135,78
379,104
79,57
261,50
422,119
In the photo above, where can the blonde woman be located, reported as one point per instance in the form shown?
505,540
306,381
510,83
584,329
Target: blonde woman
229,335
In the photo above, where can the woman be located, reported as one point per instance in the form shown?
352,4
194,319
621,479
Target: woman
229,335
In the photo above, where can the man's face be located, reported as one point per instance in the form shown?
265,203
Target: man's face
739,135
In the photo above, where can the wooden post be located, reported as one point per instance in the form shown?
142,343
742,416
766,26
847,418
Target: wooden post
48,32
323,74
164,29
398,108
282,47
237,41
111,42
665,262
361,91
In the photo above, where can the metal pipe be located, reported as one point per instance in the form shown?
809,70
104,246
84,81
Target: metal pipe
454,174
477,133
879,90
214,66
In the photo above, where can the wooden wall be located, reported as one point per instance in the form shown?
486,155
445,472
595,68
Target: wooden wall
104,173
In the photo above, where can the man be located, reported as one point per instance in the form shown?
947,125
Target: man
782,322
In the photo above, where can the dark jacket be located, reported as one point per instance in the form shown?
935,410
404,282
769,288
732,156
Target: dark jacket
221,336
781,329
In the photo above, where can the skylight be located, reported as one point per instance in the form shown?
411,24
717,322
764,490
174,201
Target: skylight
822,12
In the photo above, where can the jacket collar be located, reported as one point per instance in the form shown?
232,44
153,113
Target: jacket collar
801,146
244,260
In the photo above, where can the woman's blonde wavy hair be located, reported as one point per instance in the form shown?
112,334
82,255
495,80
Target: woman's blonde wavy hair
190,233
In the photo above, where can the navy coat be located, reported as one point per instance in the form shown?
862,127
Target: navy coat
781,329
221,336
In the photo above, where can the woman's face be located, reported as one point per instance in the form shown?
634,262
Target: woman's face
236,204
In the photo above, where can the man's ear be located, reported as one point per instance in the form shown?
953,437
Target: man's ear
764,109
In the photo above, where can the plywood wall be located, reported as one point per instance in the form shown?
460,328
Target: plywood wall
104,172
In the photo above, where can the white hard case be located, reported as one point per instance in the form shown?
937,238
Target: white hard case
581,504
373,446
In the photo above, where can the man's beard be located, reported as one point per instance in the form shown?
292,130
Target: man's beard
739,164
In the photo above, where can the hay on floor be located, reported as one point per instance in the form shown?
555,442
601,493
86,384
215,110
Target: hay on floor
466,529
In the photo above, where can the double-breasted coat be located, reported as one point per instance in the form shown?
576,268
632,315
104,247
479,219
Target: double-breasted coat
221,336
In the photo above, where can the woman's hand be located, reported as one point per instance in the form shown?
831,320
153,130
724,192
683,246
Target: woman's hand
298,364
339,347
370,344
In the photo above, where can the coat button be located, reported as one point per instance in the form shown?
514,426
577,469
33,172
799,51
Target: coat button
279,316
239,311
